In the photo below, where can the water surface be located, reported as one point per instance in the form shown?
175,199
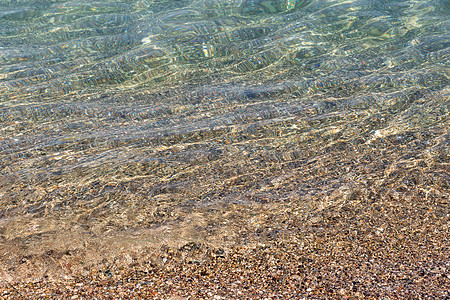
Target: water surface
130,123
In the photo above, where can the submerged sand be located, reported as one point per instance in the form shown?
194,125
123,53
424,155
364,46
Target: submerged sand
331,205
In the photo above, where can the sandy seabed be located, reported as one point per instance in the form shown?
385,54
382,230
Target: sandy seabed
323,200
375,226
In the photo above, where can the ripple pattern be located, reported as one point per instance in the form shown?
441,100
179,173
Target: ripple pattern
120,117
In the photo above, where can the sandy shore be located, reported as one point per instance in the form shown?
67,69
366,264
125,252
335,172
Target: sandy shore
286,215
321,206
373,248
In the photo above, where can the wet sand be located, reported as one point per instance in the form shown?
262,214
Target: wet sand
304,208
373,247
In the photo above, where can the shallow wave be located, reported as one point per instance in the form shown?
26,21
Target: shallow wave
117,118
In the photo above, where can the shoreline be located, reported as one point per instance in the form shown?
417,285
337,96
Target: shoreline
343,252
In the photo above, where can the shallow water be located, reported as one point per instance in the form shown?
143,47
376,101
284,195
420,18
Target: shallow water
148,122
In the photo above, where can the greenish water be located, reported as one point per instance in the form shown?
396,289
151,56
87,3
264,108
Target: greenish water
183,121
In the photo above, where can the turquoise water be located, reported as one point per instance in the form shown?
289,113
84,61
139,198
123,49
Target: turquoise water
193,118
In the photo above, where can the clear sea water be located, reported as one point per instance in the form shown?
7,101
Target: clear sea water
124,123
